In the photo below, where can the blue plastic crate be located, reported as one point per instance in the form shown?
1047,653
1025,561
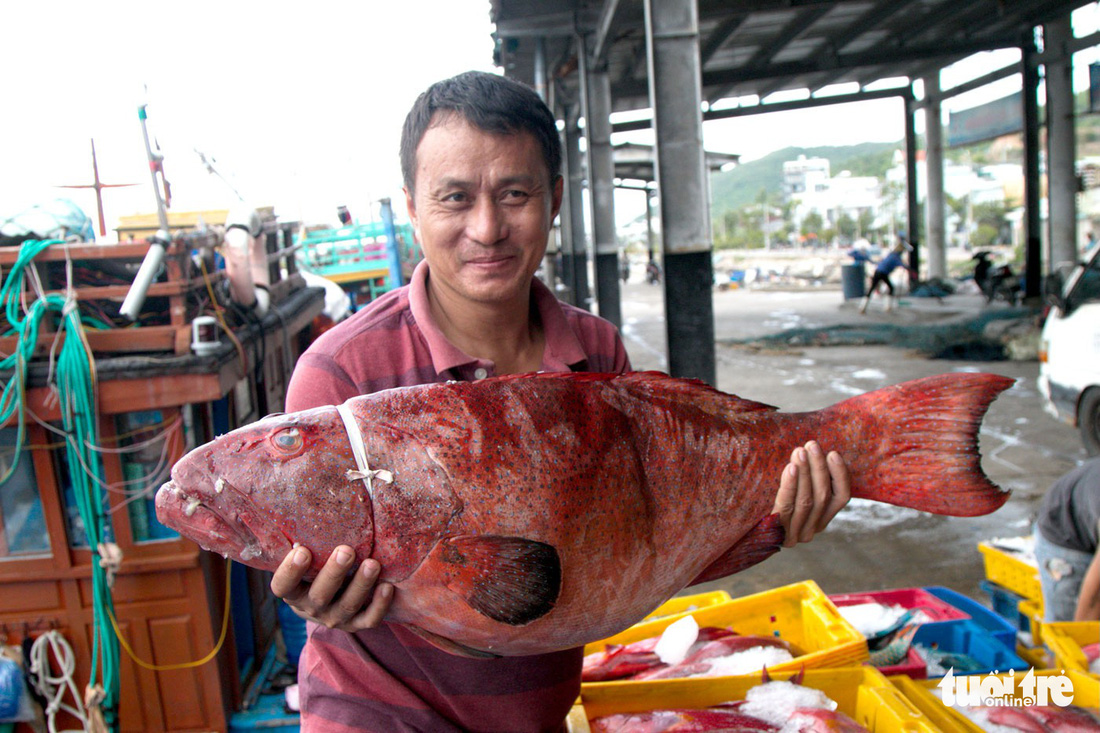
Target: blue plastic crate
997,626
970,638
268,716
1006,604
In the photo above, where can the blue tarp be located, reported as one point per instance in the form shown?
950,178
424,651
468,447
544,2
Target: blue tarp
56,219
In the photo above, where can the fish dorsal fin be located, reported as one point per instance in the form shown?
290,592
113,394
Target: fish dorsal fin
659,386
508,579
692,393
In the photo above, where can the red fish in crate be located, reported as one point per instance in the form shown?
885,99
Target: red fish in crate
639,660
773,705
1043,719
682,721
524,514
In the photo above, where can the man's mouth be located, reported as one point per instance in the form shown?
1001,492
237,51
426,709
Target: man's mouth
489,261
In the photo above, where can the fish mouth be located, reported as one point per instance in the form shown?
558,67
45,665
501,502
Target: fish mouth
224,531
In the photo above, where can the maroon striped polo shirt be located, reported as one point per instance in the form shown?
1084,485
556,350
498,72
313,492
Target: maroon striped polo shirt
387,679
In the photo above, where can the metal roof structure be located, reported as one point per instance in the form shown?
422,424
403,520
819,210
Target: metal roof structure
689,61
634,161
758,47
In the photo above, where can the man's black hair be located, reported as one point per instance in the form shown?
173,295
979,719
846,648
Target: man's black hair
489,102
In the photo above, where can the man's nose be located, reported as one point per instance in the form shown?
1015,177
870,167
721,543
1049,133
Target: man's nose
487,224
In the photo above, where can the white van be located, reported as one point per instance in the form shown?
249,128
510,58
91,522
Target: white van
1069,355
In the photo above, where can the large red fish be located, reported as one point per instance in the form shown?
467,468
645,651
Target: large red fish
524,514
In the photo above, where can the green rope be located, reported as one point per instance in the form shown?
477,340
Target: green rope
74,379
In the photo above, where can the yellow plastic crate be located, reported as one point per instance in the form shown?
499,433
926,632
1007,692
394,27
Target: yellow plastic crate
799,613
1008,570
680,606
861,693
1065,640
923,696
1036,656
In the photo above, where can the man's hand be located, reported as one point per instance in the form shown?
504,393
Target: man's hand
814,487
333,599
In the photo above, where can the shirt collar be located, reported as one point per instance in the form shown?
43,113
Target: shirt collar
562,351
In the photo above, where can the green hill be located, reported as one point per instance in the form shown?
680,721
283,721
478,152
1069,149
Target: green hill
740,186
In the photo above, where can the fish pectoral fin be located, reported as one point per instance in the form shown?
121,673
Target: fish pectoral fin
508,579
450,646
761,542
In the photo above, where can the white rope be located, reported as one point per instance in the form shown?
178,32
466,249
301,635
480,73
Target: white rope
53,687
362,470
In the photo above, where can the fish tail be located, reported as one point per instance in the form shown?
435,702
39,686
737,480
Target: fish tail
918,443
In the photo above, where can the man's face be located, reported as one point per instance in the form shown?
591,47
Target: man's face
482,210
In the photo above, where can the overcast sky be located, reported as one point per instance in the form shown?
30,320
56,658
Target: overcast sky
300,104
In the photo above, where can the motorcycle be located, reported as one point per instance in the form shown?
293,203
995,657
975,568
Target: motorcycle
1004,285
652,273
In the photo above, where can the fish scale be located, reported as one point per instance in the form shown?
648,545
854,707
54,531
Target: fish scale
533,513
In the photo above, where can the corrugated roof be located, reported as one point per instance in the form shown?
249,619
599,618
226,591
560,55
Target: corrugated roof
763,46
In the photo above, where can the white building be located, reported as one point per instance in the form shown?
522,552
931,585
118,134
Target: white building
804,174
808,184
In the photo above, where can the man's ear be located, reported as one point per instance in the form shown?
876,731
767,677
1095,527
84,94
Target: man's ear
410,207
556,195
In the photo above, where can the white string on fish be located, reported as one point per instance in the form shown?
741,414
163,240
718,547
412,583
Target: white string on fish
362,471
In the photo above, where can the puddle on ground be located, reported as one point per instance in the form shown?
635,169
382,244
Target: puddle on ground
862,515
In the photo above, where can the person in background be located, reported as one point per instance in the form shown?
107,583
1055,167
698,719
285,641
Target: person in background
1066,546
859,255
481,161
883,270
652,271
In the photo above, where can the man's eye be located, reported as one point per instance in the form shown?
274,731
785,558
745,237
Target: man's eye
457,198
288,440
516,194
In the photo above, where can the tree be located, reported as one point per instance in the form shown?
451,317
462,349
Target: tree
846,226
812,223
991,216
866,221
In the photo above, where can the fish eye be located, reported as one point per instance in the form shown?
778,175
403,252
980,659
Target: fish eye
287,440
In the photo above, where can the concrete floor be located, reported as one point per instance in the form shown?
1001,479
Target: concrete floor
870,546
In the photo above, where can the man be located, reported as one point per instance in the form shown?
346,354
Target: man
481,162
1067,547
885,268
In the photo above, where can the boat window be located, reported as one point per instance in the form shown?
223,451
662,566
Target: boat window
23,531
145,443
78,535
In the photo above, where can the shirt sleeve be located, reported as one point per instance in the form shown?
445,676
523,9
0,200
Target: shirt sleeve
318,381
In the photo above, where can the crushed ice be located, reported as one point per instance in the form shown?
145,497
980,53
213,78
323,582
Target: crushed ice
676,640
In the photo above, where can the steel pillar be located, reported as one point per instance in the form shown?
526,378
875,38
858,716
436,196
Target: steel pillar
1061,151
1032,221
675,93
912,207
650,241
575,257
540,68
553,246
564,264
596,91
934,203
